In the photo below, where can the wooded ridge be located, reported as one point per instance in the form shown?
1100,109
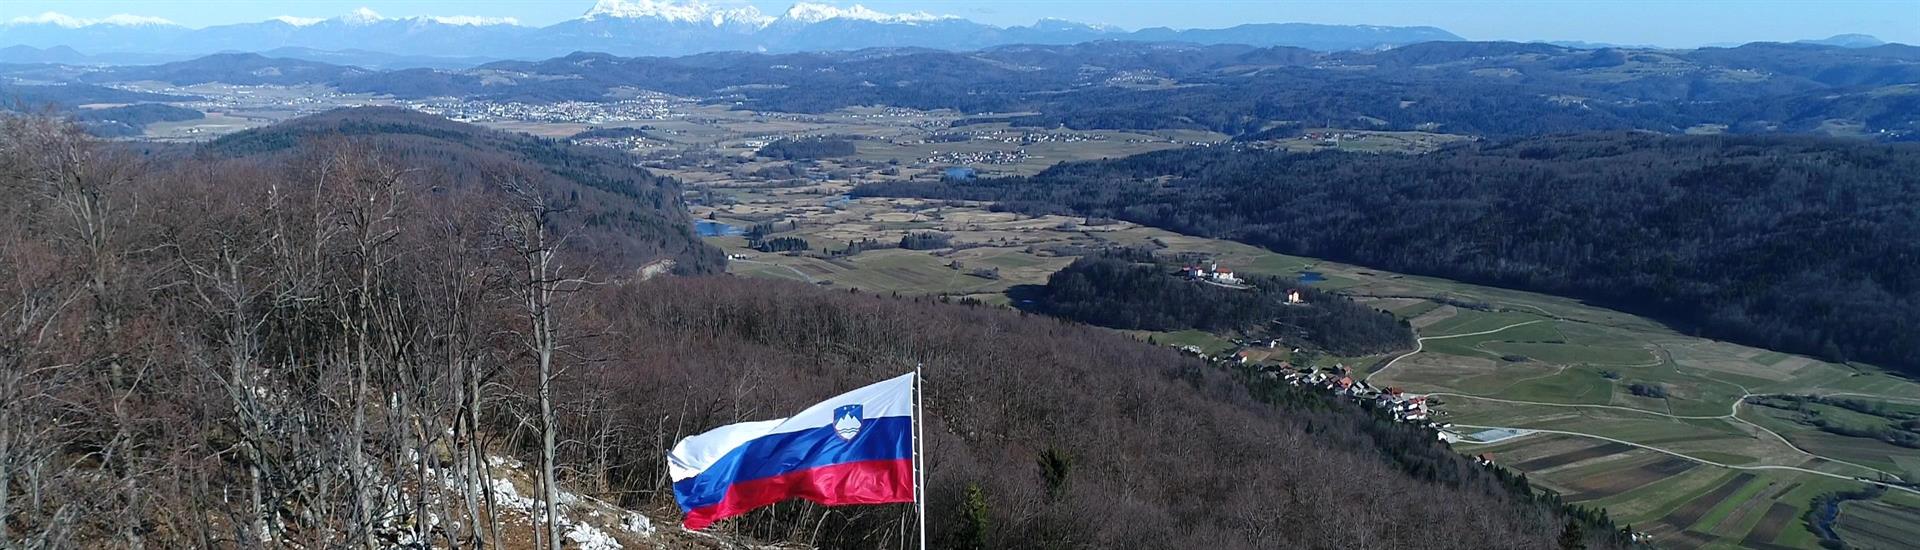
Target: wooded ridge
1796,244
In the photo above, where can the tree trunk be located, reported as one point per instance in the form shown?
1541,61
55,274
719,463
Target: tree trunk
356,457
6,461
482,476
543,329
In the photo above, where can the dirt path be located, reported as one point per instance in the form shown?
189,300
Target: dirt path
1421,344
1732,415
1702,460
1733,412
803,275
1580,406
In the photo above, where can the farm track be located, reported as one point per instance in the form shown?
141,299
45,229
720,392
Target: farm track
1702,460
1420,344
1732,415
1733,411
803,275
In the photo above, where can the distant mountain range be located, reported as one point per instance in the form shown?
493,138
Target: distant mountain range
1478,88
620,27
1847,41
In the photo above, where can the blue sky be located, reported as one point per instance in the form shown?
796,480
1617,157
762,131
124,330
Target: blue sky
1665,23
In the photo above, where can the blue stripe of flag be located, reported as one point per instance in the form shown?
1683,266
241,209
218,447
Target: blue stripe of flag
887,438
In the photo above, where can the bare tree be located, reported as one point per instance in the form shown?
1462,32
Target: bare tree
75,188
527,232
365,197
31,381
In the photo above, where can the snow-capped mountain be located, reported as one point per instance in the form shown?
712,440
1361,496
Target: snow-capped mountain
640,27
690,12
808,12
122,32
63,20
361,29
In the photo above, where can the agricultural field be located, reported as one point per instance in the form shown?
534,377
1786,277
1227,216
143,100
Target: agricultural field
914,141
1681,503
993,251
1605,408
1879,524
1000,150
1499,358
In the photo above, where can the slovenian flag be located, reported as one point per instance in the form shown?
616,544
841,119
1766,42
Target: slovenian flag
853,449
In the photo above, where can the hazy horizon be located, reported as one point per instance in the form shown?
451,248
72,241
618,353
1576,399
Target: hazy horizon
1666,24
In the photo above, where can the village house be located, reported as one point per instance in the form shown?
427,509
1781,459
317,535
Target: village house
1224,275
1394,401
1212,272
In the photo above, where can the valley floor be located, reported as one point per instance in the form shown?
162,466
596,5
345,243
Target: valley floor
1695,466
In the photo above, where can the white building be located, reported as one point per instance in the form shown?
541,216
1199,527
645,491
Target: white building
1212,272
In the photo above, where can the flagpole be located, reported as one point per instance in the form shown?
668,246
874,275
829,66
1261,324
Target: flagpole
919,454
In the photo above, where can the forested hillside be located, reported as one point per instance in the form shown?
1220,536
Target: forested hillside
69,96
247,69
1119,293
335,342
1801,245
625,214
1046,434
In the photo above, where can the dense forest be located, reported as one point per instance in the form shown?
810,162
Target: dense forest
806,149
320,338
1119,293
926,241
1047,434
1796,244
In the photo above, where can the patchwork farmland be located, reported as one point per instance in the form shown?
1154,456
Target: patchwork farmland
1880,524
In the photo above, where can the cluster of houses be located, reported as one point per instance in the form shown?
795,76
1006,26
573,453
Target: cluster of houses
1404,407
1243,352
650,107
977,157
1332,137
1210,272
626,143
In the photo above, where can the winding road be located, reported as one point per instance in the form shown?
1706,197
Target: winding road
1732,415
1702,460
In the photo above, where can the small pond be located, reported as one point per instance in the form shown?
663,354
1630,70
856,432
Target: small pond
710,228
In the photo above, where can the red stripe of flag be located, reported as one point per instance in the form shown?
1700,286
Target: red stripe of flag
864,482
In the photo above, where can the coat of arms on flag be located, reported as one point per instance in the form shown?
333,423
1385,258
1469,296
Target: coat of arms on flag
846,422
